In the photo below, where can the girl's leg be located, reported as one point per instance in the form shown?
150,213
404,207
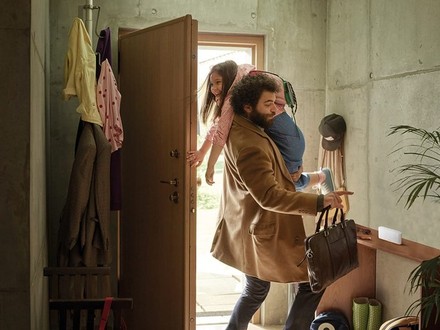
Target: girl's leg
315,178
322,179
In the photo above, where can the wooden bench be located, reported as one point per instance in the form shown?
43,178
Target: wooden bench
75,313
77,296
78,282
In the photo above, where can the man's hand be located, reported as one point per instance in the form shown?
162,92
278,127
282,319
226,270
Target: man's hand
334,200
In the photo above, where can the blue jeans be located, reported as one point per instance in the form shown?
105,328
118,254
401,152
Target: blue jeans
291,143
301,313
289,139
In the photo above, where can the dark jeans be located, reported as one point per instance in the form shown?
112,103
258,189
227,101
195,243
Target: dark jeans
300,315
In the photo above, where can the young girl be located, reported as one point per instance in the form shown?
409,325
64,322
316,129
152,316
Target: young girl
284,131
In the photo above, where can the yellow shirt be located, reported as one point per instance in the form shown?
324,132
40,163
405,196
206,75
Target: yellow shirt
80,72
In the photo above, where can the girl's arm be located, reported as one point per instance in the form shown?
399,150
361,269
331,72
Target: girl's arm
213,157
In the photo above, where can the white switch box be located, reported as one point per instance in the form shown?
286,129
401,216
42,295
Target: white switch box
390,235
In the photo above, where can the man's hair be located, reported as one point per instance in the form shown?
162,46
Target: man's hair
249,89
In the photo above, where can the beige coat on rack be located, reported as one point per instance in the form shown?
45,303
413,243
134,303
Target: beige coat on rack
335,161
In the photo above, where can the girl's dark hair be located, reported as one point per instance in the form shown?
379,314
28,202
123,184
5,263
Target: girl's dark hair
227,70
249,89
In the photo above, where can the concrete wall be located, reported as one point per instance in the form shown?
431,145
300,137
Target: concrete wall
15,171
383,69
373,61
40,63
23,36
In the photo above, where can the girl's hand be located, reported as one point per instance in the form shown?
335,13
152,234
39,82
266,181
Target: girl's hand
296,175
209,176
195,158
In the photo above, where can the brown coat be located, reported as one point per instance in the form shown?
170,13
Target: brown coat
260,229
83,235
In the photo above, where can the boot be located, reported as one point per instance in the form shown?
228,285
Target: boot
360,313
374,314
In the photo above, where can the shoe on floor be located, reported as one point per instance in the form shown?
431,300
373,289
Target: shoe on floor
328,185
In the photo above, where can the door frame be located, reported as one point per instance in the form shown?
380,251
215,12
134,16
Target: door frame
253,41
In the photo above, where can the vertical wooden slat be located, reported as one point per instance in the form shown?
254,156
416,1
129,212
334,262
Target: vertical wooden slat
76,318
100,285
63,319
54,286
90,319
78,286
117,314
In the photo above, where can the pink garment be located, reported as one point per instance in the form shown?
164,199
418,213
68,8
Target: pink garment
219,131
108,99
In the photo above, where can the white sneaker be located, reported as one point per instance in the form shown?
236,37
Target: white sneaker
328,185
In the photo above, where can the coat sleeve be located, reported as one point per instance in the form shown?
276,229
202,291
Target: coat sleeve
263,179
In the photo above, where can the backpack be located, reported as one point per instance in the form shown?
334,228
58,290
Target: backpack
331,320
401,323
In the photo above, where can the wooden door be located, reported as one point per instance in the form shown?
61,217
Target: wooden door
158,83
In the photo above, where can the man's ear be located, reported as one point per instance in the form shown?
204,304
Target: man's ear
247,108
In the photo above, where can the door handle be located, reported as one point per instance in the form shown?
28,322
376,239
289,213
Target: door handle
174,182
174,197
174,153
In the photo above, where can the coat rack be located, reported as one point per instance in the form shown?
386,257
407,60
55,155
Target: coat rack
88,20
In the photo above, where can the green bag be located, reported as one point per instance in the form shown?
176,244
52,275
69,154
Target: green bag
289,95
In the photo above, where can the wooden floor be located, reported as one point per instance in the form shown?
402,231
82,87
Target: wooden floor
219,323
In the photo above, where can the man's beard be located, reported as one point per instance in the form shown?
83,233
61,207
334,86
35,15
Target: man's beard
264,121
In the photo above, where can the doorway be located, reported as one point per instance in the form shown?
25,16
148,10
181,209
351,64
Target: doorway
218,286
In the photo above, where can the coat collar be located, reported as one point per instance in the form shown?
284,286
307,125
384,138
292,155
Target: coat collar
247,124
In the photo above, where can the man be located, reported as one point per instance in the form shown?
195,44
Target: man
260,229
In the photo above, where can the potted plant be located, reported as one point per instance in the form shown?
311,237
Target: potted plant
421,179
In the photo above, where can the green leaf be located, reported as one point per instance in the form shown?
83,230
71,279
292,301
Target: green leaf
420,176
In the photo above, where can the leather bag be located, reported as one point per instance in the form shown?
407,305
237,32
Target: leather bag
331,252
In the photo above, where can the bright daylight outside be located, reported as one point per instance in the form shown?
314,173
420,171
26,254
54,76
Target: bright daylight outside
218,285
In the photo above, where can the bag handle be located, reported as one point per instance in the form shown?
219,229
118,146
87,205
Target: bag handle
335,216
318,223
326,212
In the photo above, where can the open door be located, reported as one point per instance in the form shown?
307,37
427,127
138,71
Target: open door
158,83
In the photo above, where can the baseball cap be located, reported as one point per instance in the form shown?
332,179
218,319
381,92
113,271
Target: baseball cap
332,129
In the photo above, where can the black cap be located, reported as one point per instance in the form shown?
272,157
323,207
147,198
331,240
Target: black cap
332,129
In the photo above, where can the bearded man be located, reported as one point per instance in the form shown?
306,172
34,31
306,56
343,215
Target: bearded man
260,229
